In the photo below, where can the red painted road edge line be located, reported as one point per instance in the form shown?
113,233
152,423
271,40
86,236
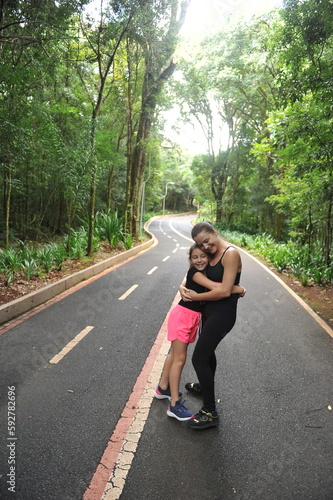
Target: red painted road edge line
110,456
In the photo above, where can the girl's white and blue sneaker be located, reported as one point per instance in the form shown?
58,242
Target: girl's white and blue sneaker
163,393
179,411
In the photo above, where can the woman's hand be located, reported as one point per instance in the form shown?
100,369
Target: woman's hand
243,292
185,293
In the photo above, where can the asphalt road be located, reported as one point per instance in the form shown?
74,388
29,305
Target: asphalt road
274,387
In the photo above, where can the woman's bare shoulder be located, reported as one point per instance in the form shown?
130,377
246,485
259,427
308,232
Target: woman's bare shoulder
232,255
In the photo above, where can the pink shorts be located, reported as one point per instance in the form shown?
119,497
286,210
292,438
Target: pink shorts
183,324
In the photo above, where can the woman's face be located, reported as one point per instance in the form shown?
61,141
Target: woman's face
207,241
199,259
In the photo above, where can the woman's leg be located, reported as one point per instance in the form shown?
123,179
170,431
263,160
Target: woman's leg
204,360
213,363
179,352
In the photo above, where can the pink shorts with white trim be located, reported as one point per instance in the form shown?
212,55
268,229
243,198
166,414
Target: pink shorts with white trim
183,324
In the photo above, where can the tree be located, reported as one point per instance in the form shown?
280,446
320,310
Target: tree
300,138
301,126
104,41
163,20
30,35
230,95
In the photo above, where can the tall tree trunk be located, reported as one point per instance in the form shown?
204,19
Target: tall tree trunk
130,132
93,179
103,71
7,191
328,236
137,168
219,179
135,176
154,79
109,192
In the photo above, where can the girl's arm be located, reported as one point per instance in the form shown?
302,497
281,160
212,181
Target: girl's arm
231,263
182,289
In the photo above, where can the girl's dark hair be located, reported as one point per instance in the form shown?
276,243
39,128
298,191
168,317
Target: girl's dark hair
202,226
193,247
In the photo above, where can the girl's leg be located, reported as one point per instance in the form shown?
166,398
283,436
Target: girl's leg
179,351
164,381
172,325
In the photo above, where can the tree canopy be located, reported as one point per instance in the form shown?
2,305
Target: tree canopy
81,131
265,87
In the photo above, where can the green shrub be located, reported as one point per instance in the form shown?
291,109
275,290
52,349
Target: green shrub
318,275
108,226
30,268
329,274
292,256
77,250
59,254
304,279
9,274
46,258
243,241
11,260
27,252
76,243
278,255
128,241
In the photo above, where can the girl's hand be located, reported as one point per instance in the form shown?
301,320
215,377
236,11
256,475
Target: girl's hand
184,293
192,294
243,292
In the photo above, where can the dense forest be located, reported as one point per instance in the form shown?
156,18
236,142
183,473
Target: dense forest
81,131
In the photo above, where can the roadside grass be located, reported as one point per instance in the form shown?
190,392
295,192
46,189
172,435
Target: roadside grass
31,259
293,258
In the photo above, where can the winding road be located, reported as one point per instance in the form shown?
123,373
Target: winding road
78,419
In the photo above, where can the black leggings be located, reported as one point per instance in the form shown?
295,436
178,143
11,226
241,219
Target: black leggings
215,327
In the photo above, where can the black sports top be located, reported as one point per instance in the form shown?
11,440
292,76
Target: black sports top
194,305
215,273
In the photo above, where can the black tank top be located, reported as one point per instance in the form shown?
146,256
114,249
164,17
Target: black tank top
215,273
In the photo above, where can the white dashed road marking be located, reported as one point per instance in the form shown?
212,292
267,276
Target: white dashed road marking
129,291
58,357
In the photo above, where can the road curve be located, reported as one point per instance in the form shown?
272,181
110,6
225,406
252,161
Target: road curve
81,373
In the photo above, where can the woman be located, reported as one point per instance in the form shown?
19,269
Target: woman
219,317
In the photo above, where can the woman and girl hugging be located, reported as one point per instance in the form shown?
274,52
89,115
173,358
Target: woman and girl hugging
209,299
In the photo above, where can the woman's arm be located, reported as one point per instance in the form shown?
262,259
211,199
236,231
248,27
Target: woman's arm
202,280
231,263
215,294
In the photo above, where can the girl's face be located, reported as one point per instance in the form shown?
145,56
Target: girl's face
199,259
207,241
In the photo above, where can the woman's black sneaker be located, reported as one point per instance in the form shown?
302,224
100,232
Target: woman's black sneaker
194,388
204,420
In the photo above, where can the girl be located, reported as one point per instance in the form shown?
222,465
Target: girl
183,324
